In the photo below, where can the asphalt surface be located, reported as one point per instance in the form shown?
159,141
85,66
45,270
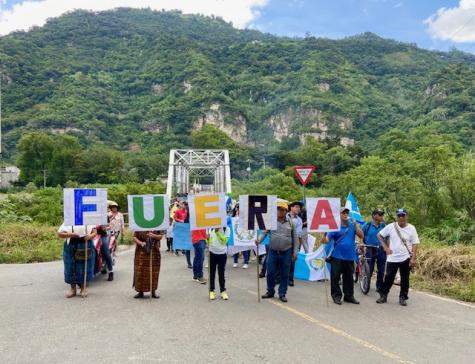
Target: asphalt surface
39,325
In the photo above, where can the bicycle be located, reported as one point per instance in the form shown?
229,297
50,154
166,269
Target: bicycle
362,271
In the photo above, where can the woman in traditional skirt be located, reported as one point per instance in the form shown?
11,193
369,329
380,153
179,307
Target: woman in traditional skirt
147,253
76,240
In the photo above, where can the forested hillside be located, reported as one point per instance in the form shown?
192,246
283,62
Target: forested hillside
102,97
141,80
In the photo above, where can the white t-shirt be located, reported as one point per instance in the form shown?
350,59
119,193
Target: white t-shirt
78,229
400,253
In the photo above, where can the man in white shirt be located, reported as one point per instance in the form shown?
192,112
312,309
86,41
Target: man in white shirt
401,255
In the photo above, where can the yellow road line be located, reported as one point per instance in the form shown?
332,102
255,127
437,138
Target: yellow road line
339,332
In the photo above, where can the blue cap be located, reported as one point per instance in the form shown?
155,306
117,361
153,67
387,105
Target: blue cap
401,211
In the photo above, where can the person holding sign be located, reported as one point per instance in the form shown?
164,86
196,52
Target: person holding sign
218,250
147,262
74,254
342,257
283,249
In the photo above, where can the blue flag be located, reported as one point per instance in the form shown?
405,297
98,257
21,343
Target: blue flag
352,205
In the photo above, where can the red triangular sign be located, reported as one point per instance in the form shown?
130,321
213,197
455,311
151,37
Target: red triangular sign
304,173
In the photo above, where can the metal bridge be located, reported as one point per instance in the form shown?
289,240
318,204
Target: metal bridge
198,170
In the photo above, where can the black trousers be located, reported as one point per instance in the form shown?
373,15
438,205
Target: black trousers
344,269
391,270
219,261
170,243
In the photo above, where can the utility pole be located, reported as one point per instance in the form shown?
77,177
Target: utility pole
44,177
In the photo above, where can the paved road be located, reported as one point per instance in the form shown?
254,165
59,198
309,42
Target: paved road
38,325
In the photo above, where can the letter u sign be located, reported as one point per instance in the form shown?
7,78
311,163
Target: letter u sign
148,212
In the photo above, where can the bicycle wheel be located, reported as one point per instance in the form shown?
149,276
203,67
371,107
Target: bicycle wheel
365,281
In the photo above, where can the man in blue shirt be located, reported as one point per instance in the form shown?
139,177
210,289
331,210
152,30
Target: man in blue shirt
375,253
343,257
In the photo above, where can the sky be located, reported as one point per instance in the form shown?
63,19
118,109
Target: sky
431,24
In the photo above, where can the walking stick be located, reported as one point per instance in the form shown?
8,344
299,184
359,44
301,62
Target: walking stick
258,281
84,289
325,275
151,254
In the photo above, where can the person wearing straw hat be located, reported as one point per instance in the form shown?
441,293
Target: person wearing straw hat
401,255
342,258
282,250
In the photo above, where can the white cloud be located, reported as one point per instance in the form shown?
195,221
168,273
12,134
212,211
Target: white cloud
33,12
455,24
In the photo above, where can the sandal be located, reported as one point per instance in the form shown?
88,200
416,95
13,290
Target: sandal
139,295
83,293
71,294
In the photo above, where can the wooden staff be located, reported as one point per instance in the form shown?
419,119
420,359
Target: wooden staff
151,268
84,289
325,275
258,281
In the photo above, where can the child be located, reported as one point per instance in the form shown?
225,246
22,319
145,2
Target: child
170,237
217,258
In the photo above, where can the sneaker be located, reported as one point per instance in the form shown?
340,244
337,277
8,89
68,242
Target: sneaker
190,266
262,275
283,299
245,266
235,265
111,276
201,280
382,299
212,295
224,295
402,302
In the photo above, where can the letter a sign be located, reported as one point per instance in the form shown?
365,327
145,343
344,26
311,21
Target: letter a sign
304,173
148,212
323,214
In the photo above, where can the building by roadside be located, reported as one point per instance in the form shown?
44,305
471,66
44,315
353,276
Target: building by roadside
8,176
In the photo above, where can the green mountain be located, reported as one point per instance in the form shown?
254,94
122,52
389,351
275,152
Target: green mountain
136,79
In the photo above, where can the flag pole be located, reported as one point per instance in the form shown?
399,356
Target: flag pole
84,289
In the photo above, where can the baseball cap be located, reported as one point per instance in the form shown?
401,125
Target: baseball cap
295,203
378,212
401,211
344,208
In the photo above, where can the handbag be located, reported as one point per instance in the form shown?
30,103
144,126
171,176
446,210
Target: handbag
329,257
82,254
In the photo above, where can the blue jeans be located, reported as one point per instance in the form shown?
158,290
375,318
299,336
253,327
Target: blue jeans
199,259
378,256
246,255
106,252
278,261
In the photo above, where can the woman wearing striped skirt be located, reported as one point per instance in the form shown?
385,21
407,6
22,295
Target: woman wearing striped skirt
147,255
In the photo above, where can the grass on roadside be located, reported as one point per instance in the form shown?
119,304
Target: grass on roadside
28,243
446,270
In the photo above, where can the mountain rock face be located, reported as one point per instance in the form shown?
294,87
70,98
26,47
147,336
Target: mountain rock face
120,77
